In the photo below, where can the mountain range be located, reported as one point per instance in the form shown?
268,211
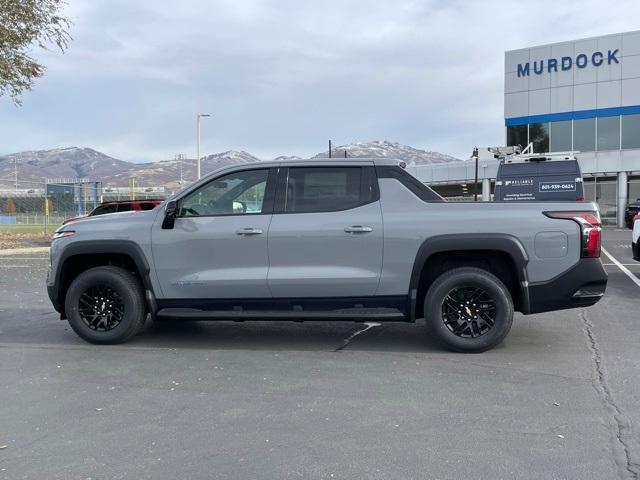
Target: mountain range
73,162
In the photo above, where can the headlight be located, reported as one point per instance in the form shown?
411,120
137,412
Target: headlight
64,233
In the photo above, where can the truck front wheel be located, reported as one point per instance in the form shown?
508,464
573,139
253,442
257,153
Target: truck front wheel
468,310
105,305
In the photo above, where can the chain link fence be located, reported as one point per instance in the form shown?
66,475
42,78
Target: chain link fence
48,203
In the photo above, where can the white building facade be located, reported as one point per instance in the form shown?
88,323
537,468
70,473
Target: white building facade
581,95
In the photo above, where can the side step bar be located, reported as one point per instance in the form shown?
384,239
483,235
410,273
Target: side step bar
382,314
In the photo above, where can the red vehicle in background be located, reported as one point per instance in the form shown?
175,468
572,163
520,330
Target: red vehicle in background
119,206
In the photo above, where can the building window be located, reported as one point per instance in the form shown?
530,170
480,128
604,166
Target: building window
560,138
608,133
631,131
539,136
517,136
584,135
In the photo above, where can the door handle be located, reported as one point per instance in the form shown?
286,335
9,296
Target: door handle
249,231
358,229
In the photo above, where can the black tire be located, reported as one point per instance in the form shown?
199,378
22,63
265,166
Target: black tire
460,332
127,301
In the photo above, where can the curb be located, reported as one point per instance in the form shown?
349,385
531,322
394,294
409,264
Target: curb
18,251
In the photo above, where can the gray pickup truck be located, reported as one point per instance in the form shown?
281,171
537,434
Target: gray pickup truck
349,239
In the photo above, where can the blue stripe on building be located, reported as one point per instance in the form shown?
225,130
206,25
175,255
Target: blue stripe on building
578,115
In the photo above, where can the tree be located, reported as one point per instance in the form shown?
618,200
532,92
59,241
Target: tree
23,25
10,207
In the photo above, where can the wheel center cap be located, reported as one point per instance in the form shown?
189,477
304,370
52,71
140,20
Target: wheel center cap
468,311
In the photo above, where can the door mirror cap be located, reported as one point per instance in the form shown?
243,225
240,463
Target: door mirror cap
170,215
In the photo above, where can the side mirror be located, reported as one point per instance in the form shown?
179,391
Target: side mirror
170,214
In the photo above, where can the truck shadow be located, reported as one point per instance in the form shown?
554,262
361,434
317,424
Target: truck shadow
317,336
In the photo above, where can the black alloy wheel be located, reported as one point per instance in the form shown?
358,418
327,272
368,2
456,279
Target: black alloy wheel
101,308
469,311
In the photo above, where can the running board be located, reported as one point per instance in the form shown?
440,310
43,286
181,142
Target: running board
352,314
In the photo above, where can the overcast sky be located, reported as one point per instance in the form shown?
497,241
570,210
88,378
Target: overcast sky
282,77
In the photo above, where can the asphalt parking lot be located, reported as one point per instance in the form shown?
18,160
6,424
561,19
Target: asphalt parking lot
559,399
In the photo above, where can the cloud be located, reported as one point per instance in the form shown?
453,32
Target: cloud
282,77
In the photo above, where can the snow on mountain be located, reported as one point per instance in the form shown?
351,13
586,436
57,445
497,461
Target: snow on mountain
385,149
36,166
72,162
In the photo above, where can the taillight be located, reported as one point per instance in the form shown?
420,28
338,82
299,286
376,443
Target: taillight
590,228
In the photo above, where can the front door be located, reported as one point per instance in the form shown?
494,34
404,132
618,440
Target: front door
218,246
325,238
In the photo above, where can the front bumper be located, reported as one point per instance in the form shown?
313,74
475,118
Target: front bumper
581,286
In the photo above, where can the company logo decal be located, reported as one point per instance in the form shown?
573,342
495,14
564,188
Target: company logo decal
566,63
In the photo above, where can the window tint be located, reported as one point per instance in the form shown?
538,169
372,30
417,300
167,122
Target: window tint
233,194
584,135
147,206
104,209
560,140
125,207
327,189
517,135
631,131
609,133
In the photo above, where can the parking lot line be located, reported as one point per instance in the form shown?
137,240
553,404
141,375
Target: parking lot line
624,269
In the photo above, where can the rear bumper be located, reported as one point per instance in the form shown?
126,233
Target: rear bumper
581,286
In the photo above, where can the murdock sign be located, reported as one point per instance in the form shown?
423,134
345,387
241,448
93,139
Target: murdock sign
549,65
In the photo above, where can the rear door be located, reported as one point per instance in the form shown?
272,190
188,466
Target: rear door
326,236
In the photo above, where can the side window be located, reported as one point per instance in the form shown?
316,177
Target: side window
233,194
147,206
125,207
328,189
104,209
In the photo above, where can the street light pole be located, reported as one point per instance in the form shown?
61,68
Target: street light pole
200,115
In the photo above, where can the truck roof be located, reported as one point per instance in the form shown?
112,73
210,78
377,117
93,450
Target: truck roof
309,163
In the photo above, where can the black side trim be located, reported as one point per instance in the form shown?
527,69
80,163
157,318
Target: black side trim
289,307
414,185
581,286
635,248
89,247
471,242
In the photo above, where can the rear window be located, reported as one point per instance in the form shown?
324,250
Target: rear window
328,189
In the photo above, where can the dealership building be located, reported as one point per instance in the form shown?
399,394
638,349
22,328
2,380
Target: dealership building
582,96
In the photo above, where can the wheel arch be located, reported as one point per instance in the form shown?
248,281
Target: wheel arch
81,256
501,254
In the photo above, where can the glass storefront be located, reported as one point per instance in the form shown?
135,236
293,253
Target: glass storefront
584,135
518,135
631,131
603,191
560,137
539,136
608,133
578,135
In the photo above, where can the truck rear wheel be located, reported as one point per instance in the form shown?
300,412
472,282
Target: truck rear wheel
468,310
105,305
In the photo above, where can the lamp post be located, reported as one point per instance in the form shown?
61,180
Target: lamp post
200,115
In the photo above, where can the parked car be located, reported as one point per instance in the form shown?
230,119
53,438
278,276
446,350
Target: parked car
539,180
119,206
635,237
354,239
630,212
